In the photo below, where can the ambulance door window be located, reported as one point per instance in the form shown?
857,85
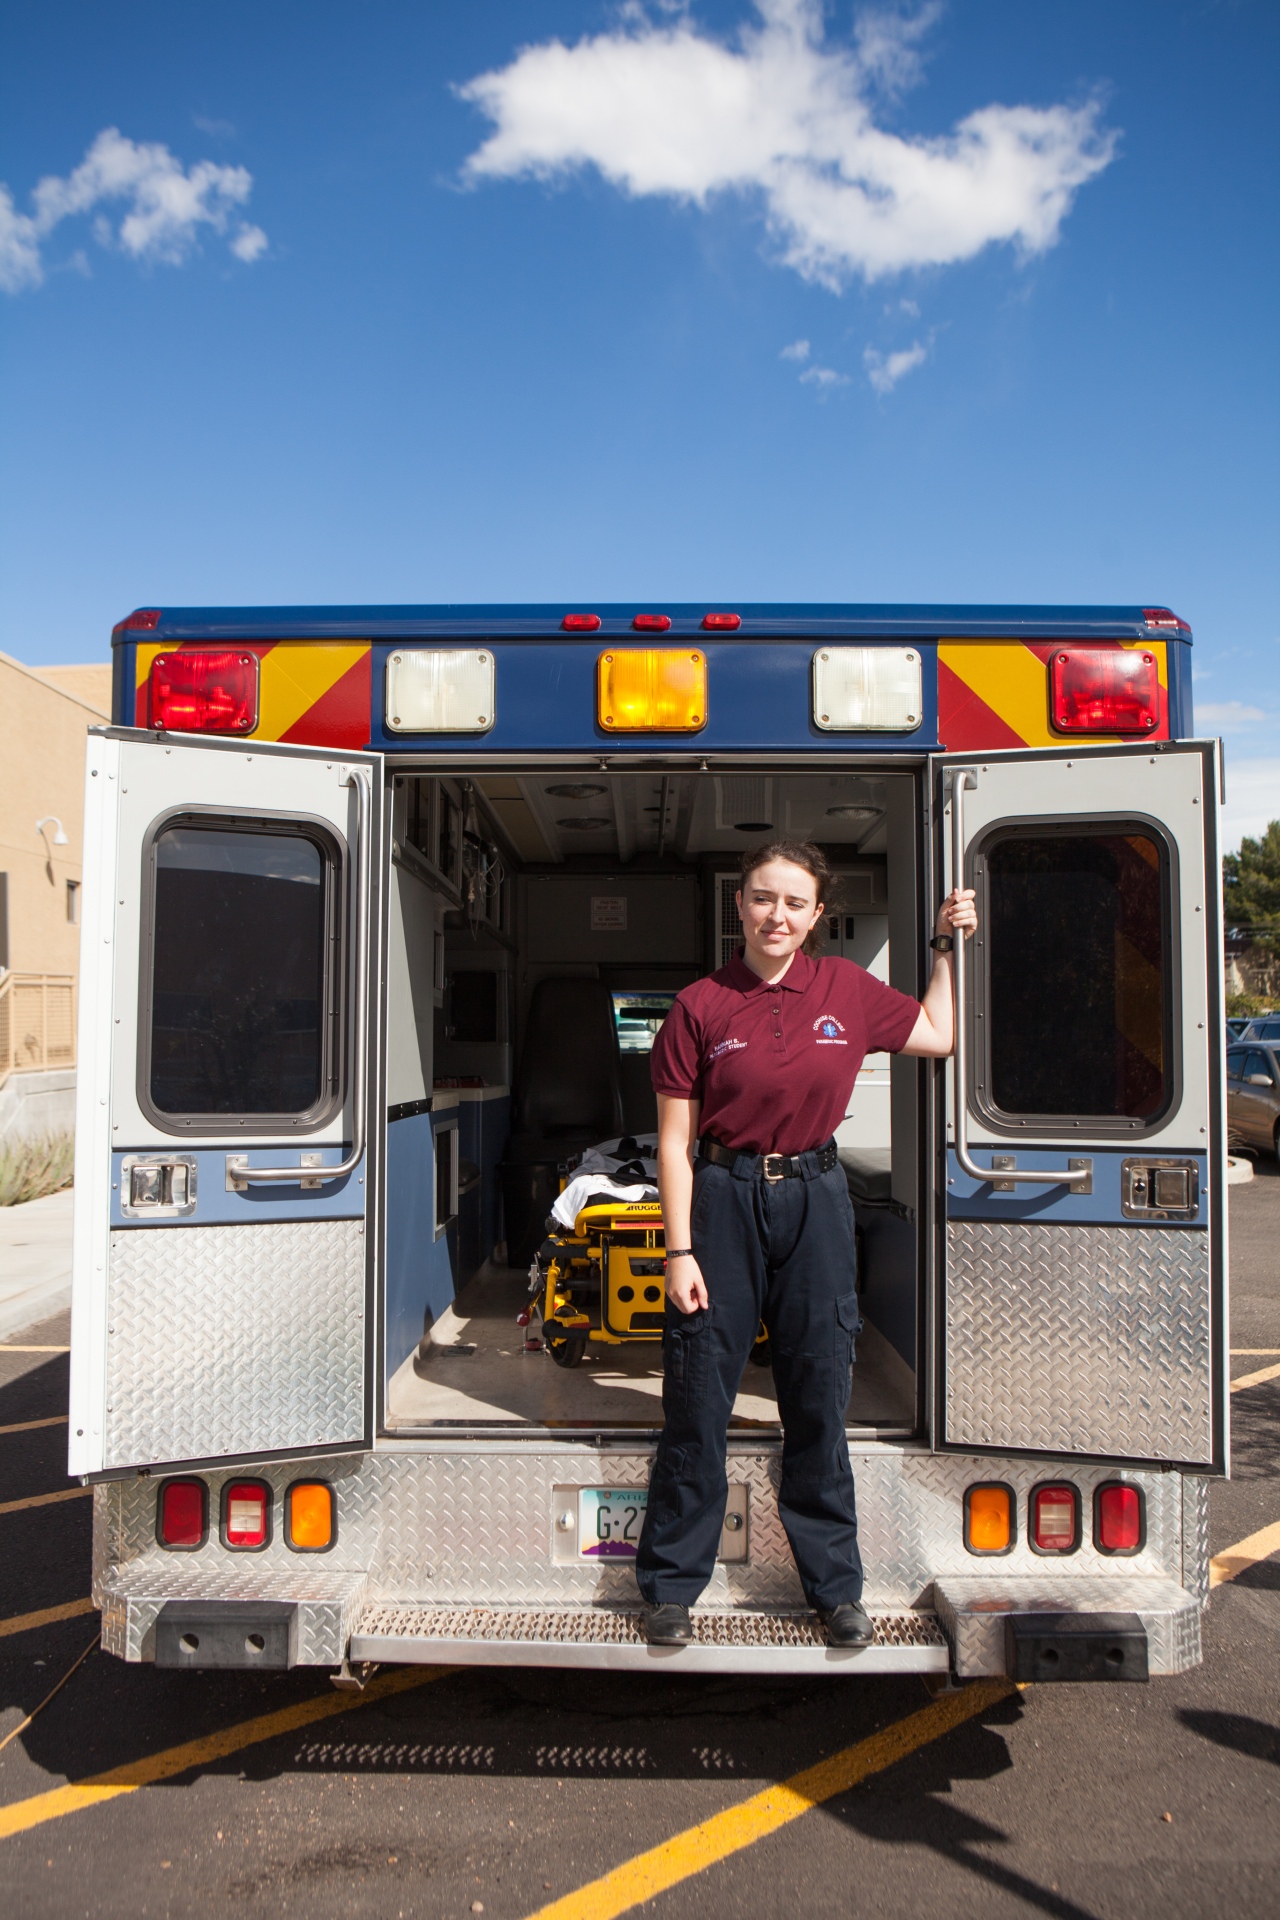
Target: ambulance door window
1077,1001
239,992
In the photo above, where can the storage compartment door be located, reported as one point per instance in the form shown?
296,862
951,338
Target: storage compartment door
1081,1308
222,1272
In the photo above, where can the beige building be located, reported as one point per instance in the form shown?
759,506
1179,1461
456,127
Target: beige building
43,718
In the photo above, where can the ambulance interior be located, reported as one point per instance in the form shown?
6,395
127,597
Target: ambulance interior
540,924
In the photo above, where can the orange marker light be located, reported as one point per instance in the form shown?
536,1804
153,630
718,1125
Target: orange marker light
988,1519
652,690
308,1516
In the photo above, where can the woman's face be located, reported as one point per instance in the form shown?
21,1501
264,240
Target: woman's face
779,905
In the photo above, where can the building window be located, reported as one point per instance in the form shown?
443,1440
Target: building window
73,902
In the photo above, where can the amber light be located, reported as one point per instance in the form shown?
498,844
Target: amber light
988,1518
652,690
309,1516
203,692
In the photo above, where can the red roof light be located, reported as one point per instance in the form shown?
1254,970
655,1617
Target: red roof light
651,622
203,692
1161,617
1104,690
581,623
722,622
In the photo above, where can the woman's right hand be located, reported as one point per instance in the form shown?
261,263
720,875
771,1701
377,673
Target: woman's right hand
686,1288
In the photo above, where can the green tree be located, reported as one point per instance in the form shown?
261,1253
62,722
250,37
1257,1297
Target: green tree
1251,888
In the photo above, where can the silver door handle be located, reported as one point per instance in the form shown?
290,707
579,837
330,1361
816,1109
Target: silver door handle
239,1172
1080,1172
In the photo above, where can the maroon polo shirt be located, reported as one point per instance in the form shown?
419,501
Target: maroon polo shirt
774,1066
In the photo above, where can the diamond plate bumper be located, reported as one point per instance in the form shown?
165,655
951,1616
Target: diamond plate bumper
612,1637
973,1613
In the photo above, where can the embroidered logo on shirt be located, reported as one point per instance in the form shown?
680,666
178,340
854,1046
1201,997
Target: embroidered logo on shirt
829,1030
726,1046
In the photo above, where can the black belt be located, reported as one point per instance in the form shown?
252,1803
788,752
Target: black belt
773,1166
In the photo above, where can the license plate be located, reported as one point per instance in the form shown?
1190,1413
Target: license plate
609,1522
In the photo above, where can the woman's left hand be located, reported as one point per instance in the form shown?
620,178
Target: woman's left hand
958,913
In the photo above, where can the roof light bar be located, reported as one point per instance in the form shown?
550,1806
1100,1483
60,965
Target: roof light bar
581,623
652,623
142,620
722,622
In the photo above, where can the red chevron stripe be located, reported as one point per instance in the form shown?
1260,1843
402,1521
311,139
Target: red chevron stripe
966,724
342,716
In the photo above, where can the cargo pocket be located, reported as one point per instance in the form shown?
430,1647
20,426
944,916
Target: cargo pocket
684,1358
848,1325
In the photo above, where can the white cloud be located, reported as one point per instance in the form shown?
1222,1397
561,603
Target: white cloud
824,378
884,370
1253,799
165,205
1222,715
798,350
661,108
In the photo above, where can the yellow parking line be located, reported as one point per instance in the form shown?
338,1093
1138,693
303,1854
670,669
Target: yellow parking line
1242,1352
5,1348
44,1617
45,1499
1256,1379
697,1848
1245,1554
29,1426
22,1815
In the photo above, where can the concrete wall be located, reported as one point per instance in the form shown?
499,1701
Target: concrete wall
36,1105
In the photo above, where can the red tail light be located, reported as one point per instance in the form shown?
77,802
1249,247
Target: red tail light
1104,690
1055,1518
182,1515
246,1515
651,622
145,620
203,692
1119,1523
581,623
722,622
1161,617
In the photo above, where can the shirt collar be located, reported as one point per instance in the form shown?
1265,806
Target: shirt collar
797,978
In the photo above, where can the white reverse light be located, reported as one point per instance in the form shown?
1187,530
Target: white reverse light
867,689
439,690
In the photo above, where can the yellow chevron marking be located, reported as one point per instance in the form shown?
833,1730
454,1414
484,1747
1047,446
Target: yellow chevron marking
295,674
145,653
1015,684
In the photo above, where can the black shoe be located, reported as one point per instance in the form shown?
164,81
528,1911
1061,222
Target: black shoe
848,1625
668,1625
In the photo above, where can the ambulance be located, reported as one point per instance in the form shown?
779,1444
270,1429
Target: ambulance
383,907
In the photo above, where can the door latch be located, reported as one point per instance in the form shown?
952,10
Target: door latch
157,1186
1159,1189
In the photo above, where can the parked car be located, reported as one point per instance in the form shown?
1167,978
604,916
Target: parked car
1253,1096
1235,1028
1266,1026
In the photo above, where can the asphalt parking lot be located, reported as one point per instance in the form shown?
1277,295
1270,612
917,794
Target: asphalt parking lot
514,1792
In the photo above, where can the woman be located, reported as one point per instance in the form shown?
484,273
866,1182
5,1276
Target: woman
754,1068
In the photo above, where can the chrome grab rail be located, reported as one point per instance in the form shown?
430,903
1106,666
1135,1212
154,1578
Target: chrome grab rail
1004,1177
239,1173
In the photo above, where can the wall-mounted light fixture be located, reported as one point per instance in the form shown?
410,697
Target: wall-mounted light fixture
52,820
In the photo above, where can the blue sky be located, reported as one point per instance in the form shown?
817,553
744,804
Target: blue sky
393,303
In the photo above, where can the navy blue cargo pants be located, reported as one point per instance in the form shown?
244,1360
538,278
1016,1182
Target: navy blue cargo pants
782,1252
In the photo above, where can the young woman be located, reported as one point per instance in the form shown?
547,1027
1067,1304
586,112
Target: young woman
754,1068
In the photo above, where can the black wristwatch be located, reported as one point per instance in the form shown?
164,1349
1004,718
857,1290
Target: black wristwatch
942,943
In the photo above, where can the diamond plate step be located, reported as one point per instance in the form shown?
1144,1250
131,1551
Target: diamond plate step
735,1641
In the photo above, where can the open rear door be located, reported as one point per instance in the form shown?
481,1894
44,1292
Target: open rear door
1081,1301
223,1279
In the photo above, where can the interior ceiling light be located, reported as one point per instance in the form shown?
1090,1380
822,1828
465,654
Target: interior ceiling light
571,792
753,826
853,813
589,823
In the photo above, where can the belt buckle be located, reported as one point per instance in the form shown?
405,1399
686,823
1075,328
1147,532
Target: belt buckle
768,1161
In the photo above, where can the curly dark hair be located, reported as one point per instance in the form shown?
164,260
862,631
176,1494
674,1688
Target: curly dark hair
798,853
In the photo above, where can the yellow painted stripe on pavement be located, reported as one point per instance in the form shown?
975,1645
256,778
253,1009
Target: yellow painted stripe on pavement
1238,1353
6,1348
697,1848
44,1617
76,1795
1245,1554
29,1426
45,1499
1256,1379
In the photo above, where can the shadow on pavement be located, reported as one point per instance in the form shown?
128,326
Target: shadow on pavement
1256,1738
